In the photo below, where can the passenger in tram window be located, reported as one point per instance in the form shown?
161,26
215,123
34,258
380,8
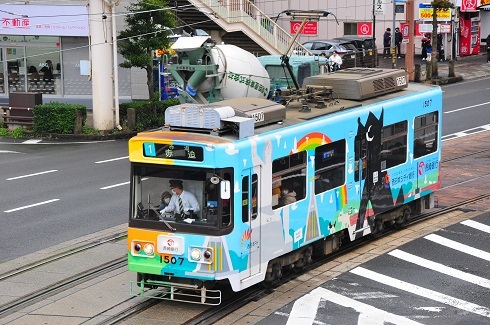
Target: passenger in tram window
420,148
164,200
288,195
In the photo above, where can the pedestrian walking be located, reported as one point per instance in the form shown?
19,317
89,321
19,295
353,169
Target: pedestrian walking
425,42
398,41
386,43
488,48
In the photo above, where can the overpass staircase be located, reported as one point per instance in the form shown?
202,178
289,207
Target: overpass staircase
240,23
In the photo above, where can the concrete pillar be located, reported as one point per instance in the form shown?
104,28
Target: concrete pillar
410,48
101,65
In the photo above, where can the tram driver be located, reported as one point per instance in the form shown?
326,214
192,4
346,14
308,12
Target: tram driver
183,203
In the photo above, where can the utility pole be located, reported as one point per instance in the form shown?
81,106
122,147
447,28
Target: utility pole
410,48
101,72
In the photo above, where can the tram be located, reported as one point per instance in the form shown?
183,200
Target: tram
355,165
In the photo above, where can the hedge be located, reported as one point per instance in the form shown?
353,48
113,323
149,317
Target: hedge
57,117
148,114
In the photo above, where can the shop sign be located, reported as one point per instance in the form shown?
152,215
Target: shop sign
365,28
43,20
310,28
426,11
422,29
469,5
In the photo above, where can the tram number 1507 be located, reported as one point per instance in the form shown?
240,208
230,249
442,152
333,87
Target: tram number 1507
258,116
172,260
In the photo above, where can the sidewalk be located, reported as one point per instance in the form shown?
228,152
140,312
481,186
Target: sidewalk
468,67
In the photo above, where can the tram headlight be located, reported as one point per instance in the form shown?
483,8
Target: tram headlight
137,247
149,249
196,254
207,254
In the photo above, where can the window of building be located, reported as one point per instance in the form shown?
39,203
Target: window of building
350,28
394,145
288,173
425,135
329,166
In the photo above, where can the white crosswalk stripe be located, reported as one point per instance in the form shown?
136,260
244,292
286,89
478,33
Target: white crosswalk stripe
305,309
476,225
423,292
458,246
440,268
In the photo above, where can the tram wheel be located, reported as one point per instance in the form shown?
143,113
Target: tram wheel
402,220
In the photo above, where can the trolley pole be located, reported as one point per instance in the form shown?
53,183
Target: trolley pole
393,46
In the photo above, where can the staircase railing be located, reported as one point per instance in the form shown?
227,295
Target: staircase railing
237,12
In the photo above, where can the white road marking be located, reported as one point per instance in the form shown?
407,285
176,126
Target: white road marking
32,141
477,225
482,282
120,184
465,108
458,246
9,151
466,132
108,160
423,292
31,205
305,309
115,185
35,174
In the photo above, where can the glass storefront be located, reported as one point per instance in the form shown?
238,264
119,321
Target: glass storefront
30,63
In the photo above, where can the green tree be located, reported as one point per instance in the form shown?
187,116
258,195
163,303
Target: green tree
437,5
148,26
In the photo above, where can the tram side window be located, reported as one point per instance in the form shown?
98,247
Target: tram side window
425,134
288,173
329,166
394,145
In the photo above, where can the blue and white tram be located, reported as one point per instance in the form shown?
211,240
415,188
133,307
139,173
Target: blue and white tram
275,185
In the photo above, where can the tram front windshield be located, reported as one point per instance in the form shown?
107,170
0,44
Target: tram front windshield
206,200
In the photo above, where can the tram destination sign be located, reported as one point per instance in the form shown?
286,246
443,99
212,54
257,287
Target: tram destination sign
173,151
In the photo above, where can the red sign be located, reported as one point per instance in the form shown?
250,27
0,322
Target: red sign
310,28
365,29
469,5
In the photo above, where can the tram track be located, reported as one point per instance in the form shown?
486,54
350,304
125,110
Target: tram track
37,295
465,155
236,301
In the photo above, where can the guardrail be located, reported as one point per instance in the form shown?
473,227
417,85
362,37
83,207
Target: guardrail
21,116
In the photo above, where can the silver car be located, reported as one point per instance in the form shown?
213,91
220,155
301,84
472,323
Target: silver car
346,50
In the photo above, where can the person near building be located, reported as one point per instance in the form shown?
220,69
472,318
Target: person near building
488,48
334,61
425,42
386,43
398,41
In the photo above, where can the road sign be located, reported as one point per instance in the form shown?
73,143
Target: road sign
379,8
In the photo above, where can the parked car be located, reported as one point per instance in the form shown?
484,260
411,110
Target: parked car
365,45
346,50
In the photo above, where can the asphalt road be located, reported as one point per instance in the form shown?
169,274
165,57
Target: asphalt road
466,105
51,193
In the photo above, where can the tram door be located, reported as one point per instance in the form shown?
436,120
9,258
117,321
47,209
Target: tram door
251,240
360,164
